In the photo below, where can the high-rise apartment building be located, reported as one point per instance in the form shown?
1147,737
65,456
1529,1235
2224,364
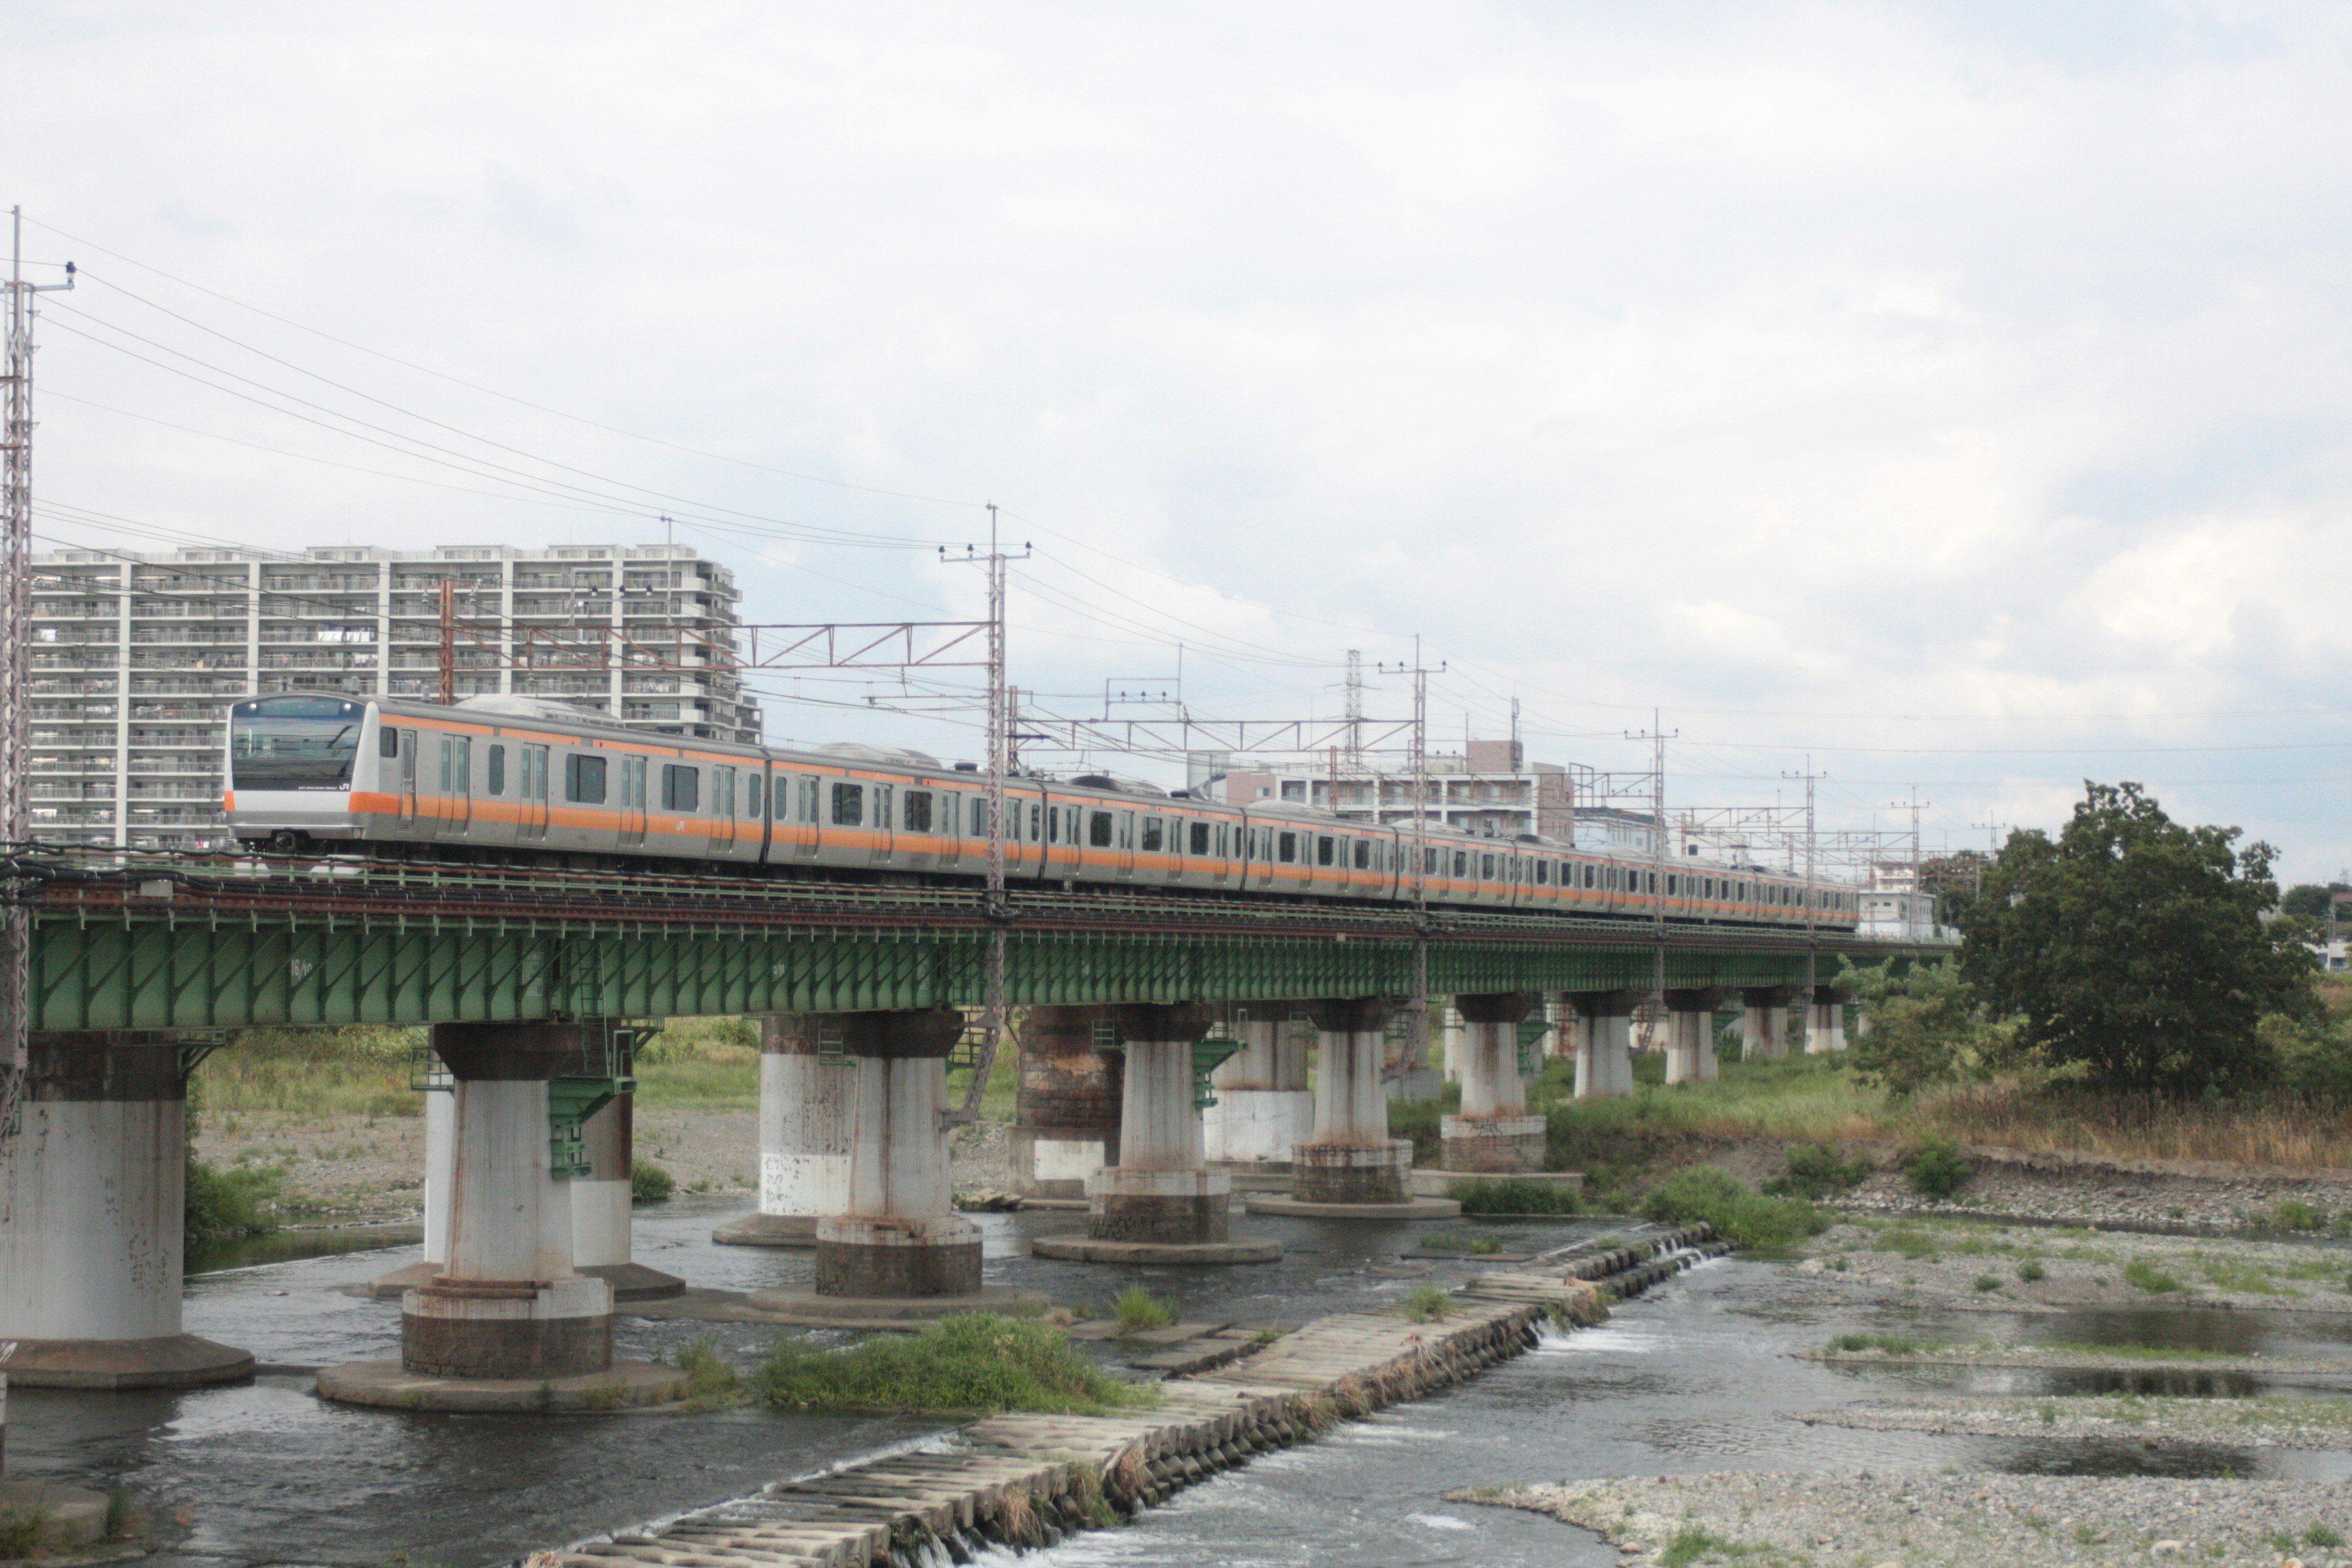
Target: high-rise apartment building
136,657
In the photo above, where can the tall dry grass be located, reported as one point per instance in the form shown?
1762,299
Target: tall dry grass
2269,1131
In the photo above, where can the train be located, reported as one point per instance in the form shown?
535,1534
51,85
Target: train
517,776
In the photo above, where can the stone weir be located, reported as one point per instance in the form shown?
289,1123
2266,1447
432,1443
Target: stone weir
1025,1481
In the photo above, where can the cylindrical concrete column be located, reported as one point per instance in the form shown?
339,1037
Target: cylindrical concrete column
1162,1190
93,1189
900,1235
440,1170
1764,1022
1065,1125
1351,1159
1825,1020
603,1209
510,1303
804,1101
1263,1105
1690,1035
1494,1133
1560,1012
1604,1061
1455,1044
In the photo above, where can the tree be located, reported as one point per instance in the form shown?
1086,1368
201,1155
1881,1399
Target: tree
2136,947
2310,901
1926,1028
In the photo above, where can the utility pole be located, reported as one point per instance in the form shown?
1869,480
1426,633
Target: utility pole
994,1016
1356,715
448,643
17,665
1419,1007
1911,906
1812,898
1656,735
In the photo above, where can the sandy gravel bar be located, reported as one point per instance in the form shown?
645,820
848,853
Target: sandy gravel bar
2093,1358
1766,1521
2155,1422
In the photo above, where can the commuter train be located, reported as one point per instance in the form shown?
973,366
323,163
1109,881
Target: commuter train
513,775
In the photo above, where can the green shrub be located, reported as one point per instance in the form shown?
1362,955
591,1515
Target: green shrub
2321,1535
1137,1308
1935,1169
1745,1219
22,1531
2147,1277
1988,1282
222,1206
1814,1171
2030,1271
649,1184
1419,1120
2293,1213
1484,1246
1504,1194
976,1360
1428,1304
710,1381
1912,1244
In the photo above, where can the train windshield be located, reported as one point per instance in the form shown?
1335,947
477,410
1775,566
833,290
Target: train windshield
293,742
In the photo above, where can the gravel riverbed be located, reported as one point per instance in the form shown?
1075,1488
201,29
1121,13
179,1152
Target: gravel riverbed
2270,1422
1780,1520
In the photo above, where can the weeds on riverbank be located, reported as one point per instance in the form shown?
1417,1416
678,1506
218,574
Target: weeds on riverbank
649,1183
1428,1304
359,1070
1504,1194
978,1360
1139,1310
1747,1219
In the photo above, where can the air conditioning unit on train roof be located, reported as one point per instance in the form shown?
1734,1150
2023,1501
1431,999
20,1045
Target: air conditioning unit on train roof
859,752
516,706
1118,785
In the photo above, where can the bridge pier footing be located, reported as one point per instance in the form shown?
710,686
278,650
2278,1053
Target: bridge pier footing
1604,1048
1066,1124
1352,1169
805,1093
440,1170
91,1192
1690,1036
1161,1203
510,1324
897,1251
603,1209
1494,1135
1764,1022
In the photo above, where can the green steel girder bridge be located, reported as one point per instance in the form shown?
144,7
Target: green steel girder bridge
122,943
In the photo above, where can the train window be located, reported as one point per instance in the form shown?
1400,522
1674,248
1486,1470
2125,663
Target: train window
583,779
919,811
1588,876
498,770
1155,834
681,788
1035,814
1363,853
1098,830
1323,851
1199,836
1485,867
976,818
752,796
883,816
1543,873
387,741
848,806
1286,847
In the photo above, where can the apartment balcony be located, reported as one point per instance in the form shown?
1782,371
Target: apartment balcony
198,635
45,818
144,739
73,685
176,816
321,659
101,658
73,610
347,683
187,610
184,707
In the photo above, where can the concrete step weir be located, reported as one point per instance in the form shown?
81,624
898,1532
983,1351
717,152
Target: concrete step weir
1032,1480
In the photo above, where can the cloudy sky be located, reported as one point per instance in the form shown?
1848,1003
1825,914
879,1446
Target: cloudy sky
1956,396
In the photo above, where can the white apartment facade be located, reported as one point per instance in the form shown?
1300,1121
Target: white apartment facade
136,657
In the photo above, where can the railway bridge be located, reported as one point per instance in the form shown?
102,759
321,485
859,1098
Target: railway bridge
1140,1011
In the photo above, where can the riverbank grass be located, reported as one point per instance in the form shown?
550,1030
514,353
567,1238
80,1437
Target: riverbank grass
974,1361
1746,1219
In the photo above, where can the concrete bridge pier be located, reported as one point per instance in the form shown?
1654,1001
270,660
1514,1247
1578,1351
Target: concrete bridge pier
603,1208
1264,1104
1161,1203
1413,1076
804,1116
897,1251
1494,1134
1066,1124
510,1324
1825,1019
1604,1052
1351,1168
1690,1035
1764,1022
440,1171
91,1190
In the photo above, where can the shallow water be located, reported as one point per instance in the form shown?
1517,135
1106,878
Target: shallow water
1699,1375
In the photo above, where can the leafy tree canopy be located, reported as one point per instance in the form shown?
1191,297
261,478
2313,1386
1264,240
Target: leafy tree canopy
2309,899
2136,947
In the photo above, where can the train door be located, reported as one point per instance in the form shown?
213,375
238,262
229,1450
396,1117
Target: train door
457,785
919,817
808,835
720,839
1123,853
408,780
533,793
885,802
633,803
